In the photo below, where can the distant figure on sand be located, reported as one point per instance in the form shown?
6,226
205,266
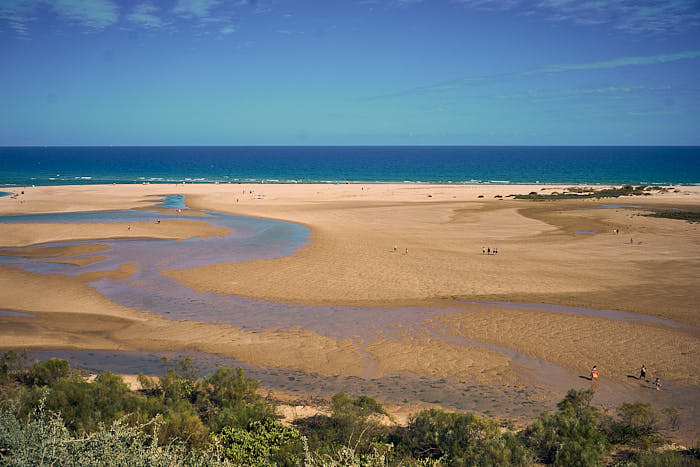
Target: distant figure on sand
495,251
488,251
643,373
657,383
394,248
594,372
483,250
406,251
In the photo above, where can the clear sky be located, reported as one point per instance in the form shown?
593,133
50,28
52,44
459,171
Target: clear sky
354,72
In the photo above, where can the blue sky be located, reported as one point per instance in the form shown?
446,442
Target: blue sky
363,72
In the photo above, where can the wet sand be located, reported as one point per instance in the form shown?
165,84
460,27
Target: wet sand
351,261
54,252
35,233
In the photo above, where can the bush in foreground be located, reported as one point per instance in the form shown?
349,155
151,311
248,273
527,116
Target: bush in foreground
50,414
43,439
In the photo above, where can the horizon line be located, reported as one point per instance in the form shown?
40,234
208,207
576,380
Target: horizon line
362,146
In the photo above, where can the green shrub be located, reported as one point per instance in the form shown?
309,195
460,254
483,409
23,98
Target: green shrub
264,442
83,405
571,436
637,426
690,216
43,439
508,450
186,420
354,422
47,372
11,362
175,386
228,398
665,459
457,437
671,414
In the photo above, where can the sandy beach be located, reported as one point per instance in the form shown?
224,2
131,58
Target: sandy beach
390,245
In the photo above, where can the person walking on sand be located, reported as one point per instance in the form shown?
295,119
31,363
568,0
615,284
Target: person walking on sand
394,248
488,251
483,250
406,251
643,373
594,373
657,383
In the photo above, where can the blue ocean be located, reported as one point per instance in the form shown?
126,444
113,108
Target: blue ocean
21,166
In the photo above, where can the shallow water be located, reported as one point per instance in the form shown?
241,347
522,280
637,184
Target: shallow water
252,238
616,315
173,202
15,314
399,388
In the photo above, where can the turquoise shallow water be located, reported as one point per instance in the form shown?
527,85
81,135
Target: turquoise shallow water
446,164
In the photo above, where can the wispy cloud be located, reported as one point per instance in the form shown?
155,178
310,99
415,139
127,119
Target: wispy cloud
226,30
144,15
214,18
616,63
547,69
604,92
639,16
490,5
96,14
195,8
17,13
93,14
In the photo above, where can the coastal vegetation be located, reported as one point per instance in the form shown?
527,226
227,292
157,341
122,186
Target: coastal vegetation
52,414
589,192
690,216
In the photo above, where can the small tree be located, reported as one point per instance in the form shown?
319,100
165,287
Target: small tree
228,398
11,362
353,423
48,372
571,436
458,437
265,442
637,426
673,418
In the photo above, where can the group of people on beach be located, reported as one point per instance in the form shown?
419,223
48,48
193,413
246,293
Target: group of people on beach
488,251
642,376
